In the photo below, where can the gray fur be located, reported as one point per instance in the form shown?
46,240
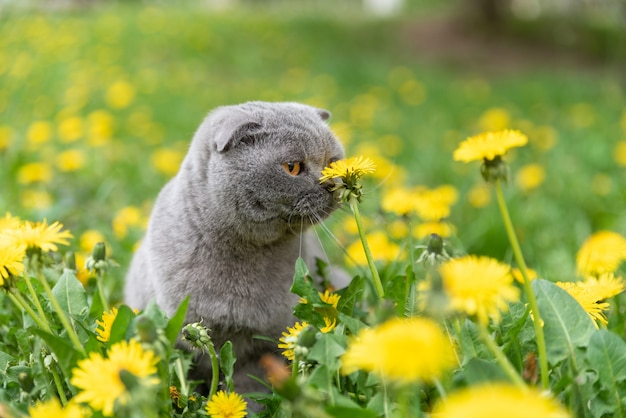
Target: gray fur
226,229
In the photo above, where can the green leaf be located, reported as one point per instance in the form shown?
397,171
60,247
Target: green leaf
301,280
175,324
339,411
121,324
471,343
606,353
566,324
327,350
71,295
64,351
478,371
321,378
351,295
353,324
227,363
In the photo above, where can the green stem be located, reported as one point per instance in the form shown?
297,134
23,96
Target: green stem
532,301
368,254
215,370
59,385
410,282
19,301
34,296
100,283
64,321
182,377
500,357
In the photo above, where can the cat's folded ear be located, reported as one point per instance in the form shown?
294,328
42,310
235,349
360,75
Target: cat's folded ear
324,114
229,125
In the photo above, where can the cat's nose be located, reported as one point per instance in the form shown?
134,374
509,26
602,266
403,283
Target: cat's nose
331,184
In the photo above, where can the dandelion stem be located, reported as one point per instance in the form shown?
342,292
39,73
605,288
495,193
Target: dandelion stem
19,301
59,385
100,283
182,376
368,254
34,296
500,357
215,370
519,258
64,321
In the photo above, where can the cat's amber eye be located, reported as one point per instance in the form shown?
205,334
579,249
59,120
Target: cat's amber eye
293,167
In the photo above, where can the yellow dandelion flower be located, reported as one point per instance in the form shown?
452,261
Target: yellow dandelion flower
34,173
402,350
11,257
434,204
6,137
330,313
9,222
530,177
398,200
479,286
602,252
82,274
52,409
592,293
346,169
223,405
41,235
494,119
70,160
499,400
425,229
167,161
39,132
70,129
129,216
290,338
619,153
517,275
89,239
479,196
100,128
489,145
98,378
35,199
104,326
120,94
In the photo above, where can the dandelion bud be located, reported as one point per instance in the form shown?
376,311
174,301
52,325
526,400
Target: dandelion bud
495,169
197,335
146,330
99,252
307,337
70,261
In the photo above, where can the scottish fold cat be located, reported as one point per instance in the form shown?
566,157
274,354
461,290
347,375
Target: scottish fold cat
227,229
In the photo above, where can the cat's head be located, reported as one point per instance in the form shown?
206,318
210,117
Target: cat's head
262,162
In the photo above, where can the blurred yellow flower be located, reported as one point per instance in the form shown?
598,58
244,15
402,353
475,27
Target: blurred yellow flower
479,196
167,161
601,184
398,229
6,136
602,252
98,378
434,204
530,177
494,119
130,216
82,273
39,132
582,115
223,405
425,229
592,293
70,129
34,172
89,239
35,199
342,131
120,94
489,145
619,153
290,338
404,350
12,255
41,235
104,326
329,313
517,275
70,160
412,92
497,400
398,200
9,222
382,249
100,128
52,409
478,286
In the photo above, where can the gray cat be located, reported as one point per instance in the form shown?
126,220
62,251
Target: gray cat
227,229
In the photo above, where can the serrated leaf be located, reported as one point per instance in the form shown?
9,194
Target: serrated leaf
64,351
353,324
566,325
301,285
175,324
121,324
471,344
71,295
350,295
478,371
227,363
327,350
606,353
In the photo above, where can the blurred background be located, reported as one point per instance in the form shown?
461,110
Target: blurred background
99,100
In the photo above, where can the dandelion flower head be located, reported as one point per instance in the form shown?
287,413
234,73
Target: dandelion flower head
434,204
499,400
98,378
348,168
53,408
290,338
592,293
479,286
602,252
489,145
223,405
41,235
402,350
104,326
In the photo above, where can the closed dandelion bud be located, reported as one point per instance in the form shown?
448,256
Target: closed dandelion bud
146,330
495,169
99,252
307,337
197,335
70,261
